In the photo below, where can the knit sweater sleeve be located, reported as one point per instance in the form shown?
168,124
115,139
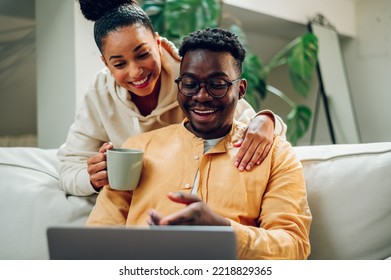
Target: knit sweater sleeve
245,113
85,137
171,48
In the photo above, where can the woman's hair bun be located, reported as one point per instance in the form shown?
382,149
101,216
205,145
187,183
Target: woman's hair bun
95,9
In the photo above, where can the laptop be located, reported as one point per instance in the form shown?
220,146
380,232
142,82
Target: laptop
142,243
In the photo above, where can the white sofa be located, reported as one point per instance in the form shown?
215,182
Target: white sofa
349,192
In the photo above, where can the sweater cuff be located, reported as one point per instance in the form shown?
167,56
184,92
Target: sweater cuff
279,125
83,182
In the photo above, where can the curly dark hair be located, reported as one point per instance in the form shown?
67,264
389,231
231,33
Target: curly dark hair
214,39
112,15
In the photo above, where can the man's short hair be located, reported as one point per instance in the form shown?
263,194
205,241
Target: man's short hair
214,39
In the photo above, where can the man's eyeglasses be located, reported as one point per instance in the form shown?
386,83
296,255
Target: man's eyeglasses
216,87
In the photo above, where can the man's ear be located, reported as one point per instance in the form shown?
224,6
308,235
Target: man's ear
242,88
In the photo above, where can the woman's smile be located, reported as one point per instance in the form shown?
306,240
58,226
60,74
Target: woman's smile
141,83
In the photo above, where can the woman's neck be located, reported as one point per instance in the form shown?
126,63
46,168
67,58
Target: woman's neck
146,104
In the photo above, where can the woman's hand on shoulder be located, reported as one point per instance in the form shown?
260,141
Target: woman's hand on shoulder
256,143
97,167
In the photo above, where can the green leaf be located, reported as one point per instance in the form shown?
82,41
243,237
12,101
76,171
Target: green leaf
298,122
281,57
251,69
251,98
174,19
302,62
256,86
154,9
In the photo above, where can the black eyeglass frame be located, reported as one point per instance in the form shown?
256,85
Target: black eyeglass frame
205,82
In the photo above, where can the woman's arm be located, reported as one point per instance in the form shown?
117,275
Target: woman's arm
80,145
257,141
85,137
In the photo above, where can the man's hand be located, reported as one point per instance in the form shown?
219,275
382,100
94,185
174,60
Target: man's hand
257,142
195,213
97,167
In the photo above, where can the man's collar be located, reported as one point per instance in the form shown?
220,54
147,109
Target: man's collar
235,134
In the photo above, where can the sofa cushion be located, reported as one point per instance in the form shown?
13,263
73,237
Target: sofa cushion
349,192
31,200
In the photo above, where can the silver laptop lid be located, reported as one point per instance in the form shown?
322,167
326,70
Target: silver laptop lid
142,243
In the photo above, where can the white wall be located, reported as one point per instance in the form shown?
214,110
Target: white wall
339,12
18,111
55,70
368,62
87,57
67,59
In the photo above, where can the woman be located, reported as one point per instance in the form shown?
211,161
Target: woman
135,93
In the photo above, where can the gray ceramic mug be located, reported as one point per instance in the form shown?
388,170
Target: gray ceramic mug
124,168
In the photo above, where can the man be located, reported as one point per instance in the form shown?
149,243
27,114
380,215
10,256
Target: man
186,180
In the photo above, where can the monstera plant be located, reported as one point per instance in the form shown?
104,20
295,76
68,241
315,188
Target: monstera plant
174,19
